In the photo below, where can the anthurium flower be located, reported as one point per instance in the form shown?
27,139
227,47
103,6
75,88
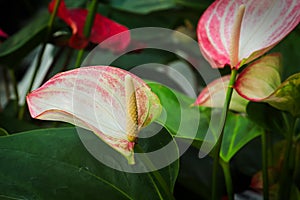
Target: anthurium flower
237,32
213,95
102,29
111,102
255,82
259,82
260,78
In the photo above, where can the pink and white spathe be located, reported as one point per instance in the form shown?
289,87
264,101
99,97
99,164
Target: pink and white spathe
111,102
256,83
264,23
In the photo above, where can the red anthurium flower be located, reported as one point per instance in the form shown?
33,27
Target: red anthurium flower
102,29
3,34
236,32
111,102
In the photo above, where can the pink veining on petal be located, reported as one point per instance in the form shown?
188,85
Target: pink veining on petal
94,98
265,23
213,93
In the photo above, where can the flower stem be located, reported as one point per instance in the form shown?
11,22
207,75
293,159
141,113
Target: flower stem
221,131
228,181
286,178
92,8
265,172
15,87
49,29
79,58
40,56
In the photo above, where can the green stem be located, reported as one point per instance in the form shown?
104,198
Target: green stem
156,174
15,87
79,58
286,178
265,172
40,56
221,131
6,83
228,180
92,8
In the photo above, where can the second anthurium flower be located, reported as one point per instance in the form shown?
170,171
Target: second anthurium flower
102,28
111,102
237,32
259,82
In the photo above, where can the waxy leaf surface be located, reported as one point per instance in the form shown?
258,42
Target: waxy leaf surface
54,164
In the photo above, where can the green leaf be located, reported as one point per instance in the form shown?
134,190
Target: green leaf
287,96
180,118
260,113
195,4
192,122
3,132
54,164
17,46
239,130
142,7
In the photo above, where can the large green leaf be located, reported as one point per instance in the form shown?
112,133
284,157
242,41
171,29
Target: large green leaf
142,7
182,120
20,44
53,164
